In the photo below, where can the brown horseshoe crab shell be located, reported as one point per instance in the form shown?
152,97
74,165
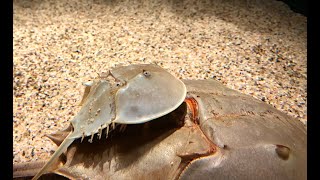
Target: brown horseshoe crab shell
233,136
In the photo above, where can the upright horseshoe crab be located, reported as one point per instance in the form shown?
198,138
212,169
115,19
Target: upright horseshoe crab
141,94
222,135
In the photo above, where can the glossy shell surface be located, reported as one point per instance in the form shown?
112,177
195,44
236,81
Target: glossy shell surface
147,95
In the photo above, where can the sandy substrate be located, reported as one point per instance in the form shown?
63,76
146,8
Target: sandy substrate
257,47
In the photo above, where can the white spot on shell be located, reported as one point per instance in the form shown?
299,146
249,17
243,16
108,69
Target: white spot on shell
98,111
91,120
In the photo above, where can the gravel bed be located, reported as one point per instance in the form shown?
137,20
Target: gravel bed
256,47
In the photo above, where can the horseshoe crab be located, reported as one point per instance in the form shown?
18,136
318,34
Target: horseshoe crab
139,94
216,133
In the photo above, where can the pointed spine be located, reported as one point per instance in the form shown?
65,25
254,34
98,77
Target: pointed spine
90,140
100,132
82,136
63,147
107,131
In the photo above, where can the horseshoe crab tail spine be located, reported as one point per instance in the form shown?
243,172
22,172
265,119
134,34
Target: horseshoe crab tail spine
63,147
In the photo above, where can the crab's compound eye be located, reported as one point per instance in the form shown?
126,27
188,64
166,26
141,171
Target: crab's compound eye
146,73
118,84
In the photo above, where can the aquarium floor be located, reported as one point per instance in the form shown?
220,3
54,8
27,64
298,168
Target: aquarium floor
258,48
